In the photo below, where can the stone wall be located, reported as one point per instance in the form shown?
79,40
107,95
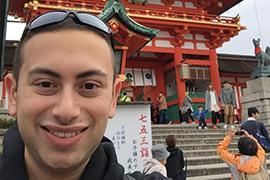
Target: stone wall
257,94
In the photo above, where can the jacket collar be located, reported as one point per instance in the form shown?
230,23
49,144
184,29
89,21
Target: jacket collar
251,119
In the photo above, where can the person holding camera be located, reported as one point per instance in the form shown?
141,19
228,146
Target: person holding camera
256,128
248,163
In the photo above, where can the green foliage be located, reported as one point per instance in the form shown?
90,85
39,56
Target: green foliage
6,121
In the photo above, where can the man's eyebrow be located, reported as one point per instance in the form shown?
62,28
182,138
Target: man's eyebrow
45,72
57,75
91,73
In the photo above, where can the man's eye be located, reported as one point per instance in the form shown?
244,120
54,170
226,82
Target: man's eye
89,86
45,87
45,84
89,89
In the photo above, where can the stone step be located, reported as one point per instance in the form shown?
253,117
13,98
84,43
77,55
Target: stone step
185,131
192,161
204,152
212,140
189,126
211,169
204,146
2,131
201,146
191,136
174,126
193,129
226,176
207,169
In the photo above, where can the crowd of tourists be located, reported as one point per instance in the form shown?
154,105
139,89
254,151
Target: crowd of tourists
221,109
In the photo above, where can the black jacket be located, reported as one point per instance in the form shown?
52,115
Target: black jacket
175,164
251,127
103,164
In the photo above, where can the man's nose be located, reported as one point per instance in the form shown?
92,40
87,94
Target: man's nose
67,107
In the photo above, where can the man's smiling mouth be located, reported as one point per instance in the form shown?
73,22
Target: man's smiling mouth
65,133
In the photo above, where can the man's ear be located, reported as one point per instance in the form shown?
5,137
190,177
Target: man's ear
11,89
116,90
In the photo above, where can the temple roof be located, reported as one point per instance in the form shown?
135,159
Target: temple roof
16,6
226,5
235,63
115,9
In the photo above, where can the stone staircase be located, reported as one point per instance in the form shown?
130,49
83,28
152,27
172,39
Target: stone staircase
200,149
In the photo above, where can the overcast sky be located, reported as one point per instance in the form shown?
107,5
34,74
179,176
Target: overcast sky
241,44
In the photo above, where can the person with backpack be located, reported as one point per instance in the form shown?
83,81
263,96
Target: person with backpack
228,101
257,128
176,164
248,163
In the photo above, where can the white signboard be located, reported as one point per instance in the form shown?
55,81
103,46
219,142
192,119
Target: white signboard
130,131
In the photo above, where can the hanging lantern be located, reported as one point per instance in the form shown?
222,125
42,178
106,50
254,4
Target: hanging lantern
184,71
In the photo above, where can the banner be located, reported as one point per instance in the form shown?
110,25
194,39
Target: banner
141,77
130,131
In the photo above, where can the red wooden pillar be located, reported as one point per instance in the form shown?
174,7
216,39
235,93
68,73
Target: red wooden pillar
124,60
214,71
179,82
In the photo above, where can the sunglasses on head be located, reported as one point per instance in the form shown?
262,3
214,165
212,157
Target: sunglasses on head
54,17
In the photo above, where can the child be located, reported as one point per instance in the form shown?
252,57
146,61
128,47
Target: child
201,116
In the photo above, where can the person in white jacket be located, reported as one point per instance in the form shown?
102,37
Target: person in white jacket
158,161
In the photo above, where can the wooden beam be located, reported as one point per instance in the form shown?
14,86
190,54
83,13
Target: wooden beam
198,62
157,49
168,66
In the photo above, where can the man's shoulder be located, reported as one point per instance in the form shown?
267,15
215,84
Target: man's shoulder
249,122
140,176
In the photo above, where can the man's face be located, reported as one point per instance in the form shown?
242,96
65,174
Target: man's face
65,95
256,115
227,85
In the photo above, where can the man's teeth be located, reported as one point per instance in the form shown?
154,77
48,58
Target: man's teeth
64,134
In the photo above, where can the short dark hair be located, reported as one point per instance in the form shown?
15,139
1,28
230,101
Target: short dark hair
171,141
200,106
252,110
247,146
68,24
225,82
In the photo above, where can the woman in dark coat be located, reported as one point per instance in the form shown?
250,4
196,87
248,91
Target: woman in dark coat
175,162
